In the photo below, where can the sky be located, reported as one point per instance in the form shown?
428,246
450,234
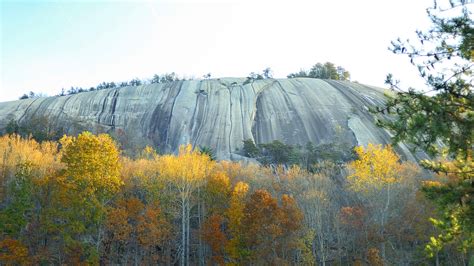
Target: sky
49,45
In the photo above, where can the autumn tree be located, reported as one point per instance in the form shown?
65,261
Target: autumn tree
268,228
319,198
213,200
143,184
137,232
13,252
375,175
187,172
236,245
291,221
93,163
215,237
23,162
216,193
83,190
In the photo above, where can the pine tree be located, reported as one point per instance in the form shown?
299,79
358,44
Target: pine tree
441,120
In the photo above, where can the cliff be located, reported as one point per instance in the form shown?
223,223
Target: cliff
218,113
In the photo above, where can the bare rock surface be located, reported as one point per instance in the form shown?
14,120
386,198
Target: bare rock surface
217,113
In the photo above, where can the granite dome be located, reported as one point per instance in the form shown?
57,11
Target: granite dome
217,113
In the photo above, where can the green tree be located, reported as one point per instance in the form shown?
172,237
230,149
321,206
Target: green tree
301,74
208,151
327,70
441,120
267,73
155,79
250,149
135,82
343,74
12,127
254,76
278,152
168,77
20,190
24,96
39,128
207,76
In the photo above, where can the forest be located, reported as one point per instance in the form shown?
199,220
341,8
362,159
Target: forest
79,200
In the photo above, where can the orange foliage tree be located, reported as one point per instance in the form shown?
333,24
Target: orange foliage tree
215,237
134,231
13,252
269,229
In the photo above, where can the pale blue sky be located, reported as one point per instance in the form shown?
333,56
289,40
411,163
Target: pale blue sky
48,45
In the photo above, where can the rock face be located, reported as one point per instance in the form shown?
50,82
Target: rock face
218,113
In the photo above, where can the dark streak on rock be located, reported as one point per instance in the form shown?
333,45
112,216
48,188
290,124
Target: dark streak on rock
114,104
104,103
193,118
161,117
229,138
26,110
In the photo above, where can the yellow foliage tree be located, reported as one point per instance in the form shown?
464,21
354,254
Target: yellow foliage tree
235,213
187,172
374,174
24,167
376,167
92,164
216,193
143,174
15,151
85,187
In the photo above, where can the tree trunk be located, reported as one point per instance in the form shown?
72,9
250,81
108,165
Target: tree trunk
188,217
338,239
320,235
183,230
384,213
200,217
313,249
